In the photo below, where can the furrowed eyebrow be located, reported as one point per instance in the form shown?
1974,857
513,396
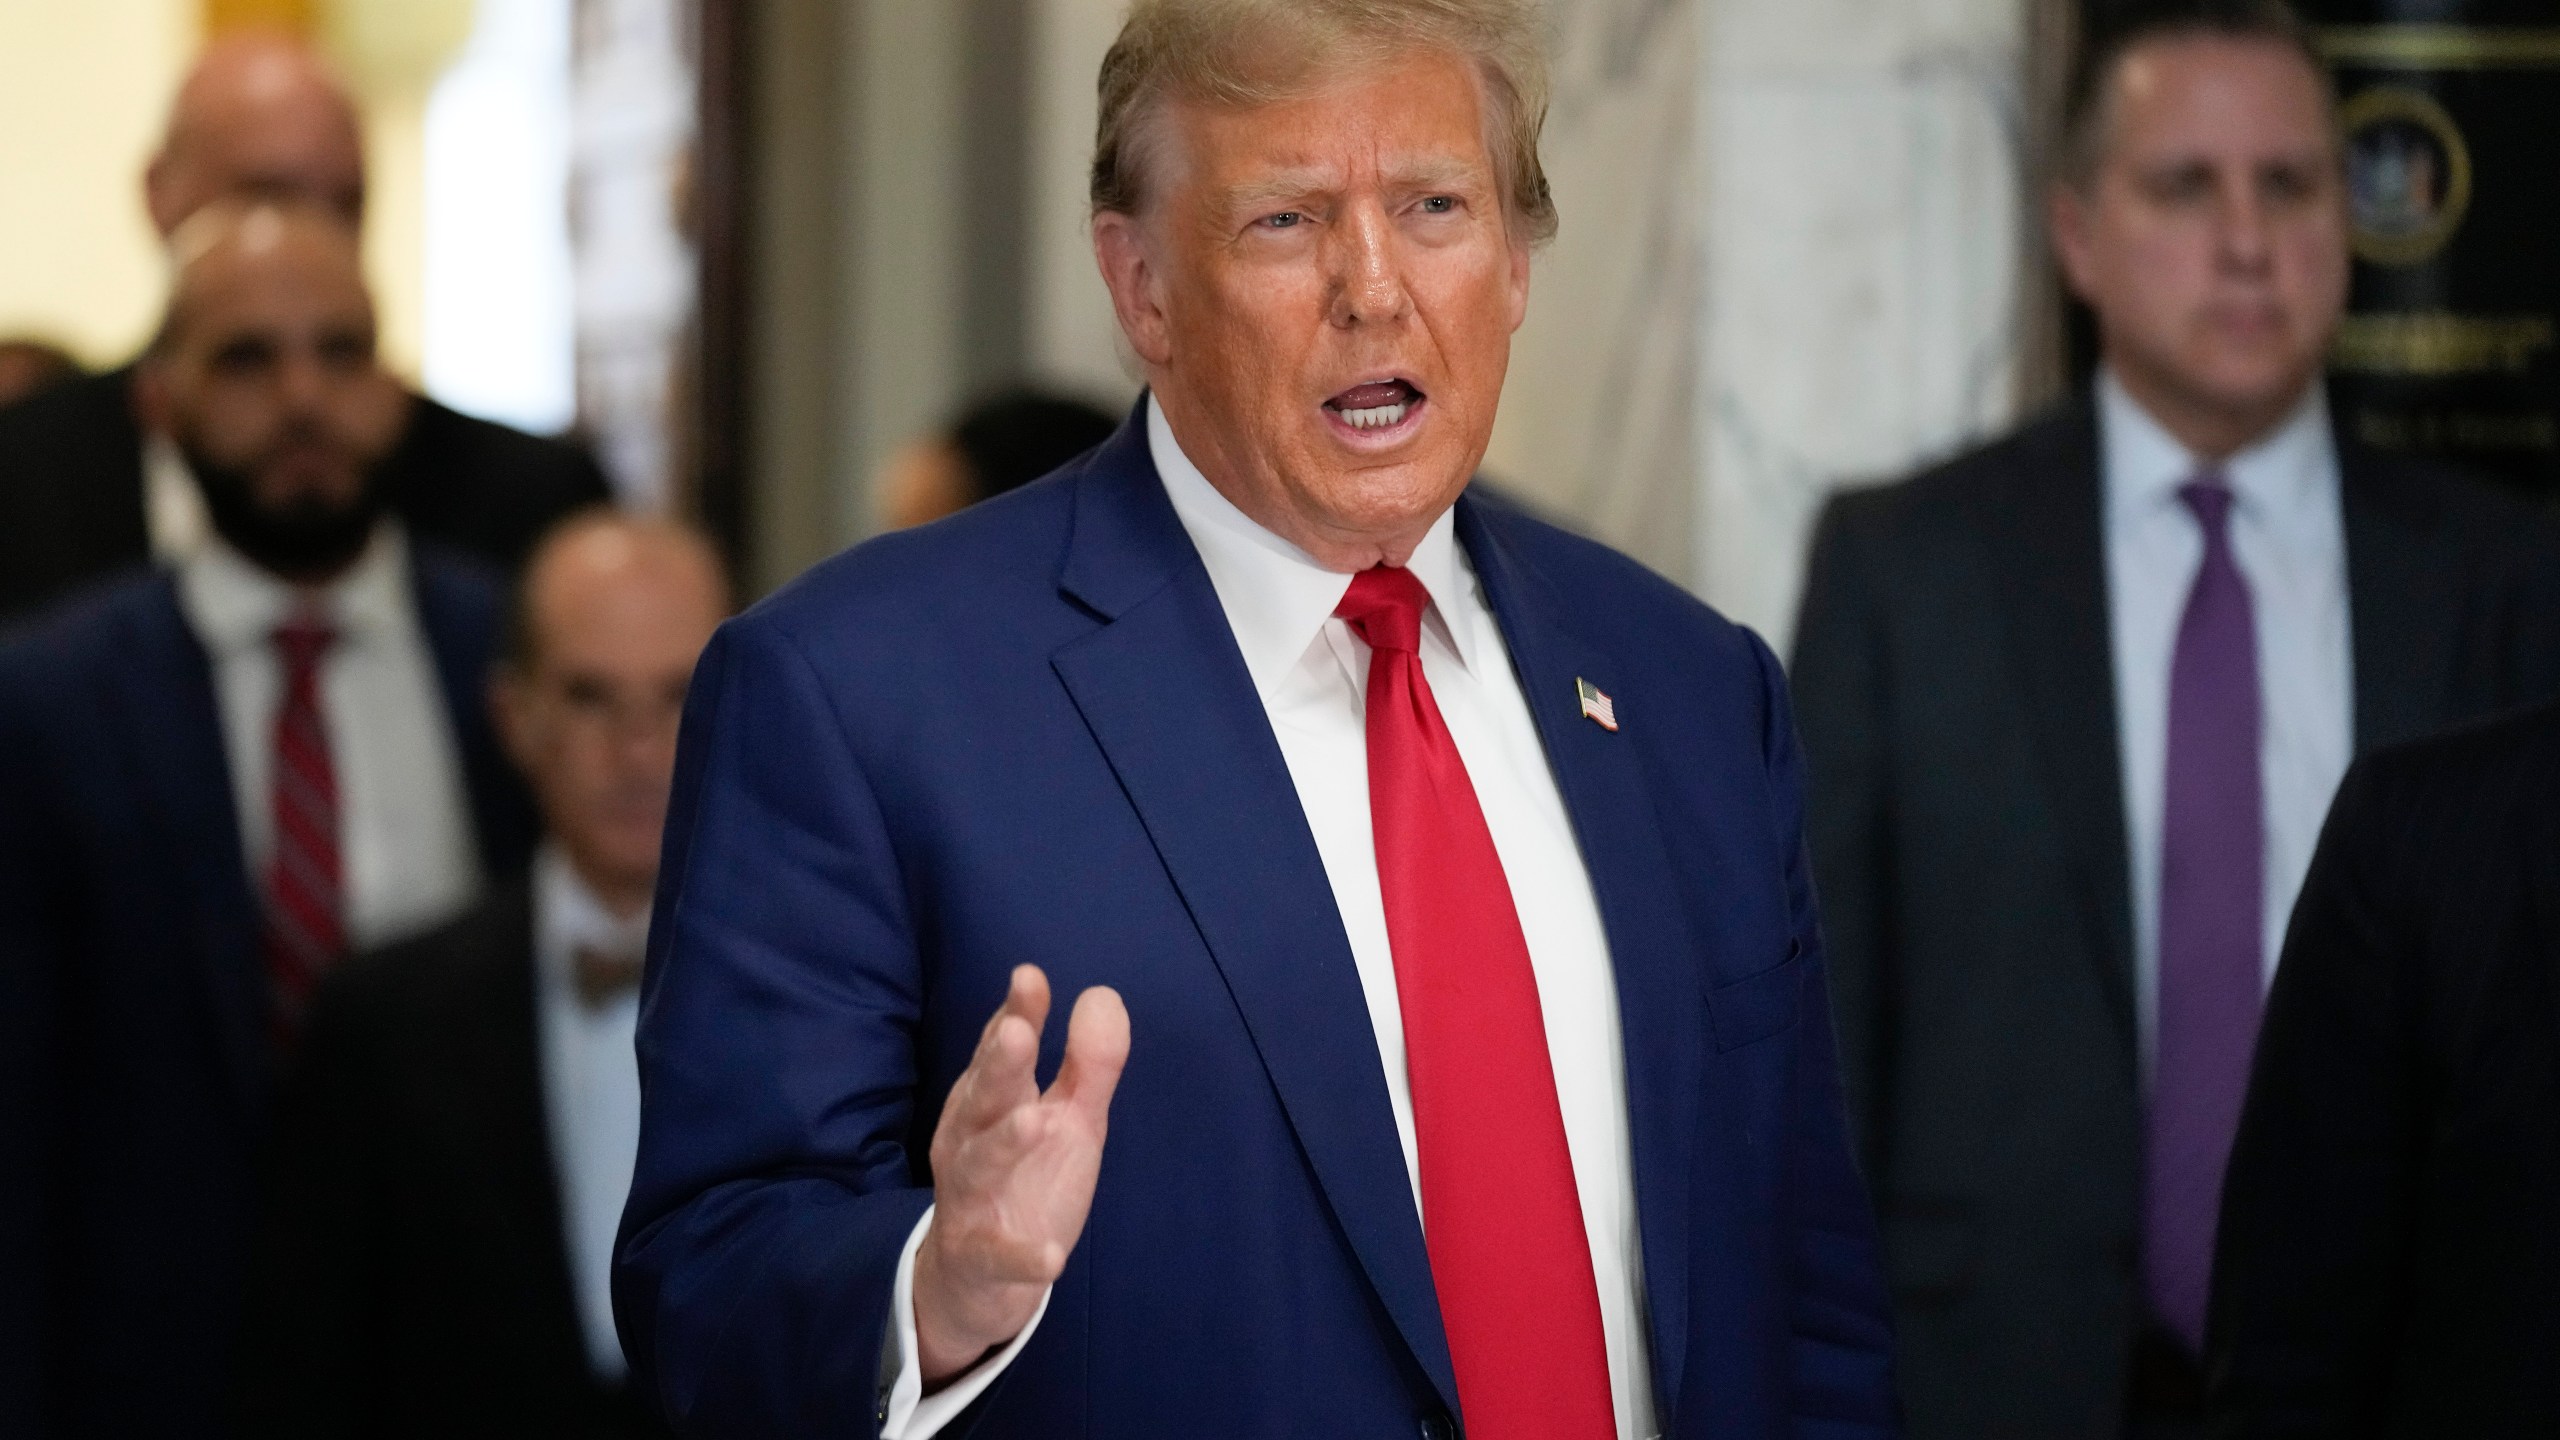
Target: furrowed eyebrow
1277,190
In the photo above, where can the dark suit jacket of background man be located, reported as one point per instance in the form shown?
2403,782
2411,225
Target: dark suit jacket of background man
1027,733
411,1276
1957,701
71,506
136,1057
2391,1229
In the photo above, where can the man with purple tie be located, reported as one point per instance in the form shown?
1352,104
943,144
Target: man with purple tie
2074,706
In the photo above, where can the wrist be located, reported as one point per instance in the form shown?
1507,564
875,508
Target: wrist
945,1348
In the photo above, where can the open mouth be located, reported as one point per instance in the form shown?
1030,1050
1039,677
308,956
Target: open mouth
1376,407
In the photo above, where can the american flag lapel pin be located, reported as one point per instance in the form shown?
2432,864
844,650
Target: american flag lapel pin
1596,707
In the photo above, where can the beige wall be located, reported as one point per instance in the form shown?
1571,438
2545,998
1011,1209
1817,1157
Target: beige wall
82,87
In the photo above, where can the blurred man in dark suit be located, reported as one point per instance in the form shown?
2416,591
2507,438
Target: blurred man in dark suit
454,1148
85,489
2074,706
215,780
2390,1259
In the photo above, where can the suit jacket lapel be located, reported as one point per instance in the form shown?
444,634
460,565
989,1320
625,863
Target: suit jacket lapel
2405,582
1651,939
2050,559
1167,697
164,693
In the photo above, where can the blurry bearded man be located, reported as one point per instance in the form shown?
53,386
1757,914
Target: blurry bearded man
1436,877
214,782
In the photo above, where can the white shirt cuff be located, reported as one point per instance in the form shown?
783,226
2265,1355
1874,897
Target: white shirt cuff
910,1414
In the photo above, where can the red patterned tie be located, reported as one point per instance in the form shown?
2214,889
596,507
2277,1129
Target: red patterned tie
1502,1220
306,896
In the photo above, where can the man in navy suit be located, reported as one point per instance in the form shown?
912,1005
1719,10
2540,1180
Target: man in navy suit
1432,882
214,780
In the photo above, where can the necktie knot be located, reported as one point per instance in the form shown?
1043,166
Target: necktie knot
302,640
2208,496
1384,608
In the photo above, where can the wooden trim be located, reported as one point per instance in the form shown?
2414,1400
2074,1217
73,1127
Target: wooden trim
722,183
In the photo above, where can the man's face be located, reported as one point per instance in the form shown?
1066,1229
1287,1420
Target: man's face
1324,292
268,383
2212,241
618,621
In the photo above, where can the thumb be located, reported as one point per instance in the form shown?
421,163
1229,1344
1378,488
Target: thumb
1097,1048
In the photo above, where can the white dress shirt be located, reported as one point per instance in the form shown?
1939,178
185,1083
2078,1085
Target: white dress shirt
1312,674
404,824
2290,543
590,1088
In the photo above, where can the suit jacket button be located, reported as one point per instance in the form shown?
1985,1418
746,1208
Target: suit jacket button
1439,1427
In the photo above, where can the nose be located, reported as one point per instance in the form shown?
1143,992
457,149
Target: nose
303,380
2243,240
1367,271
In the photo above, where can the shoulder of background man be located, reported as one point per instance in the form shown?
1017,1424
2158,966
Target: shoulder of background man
88,419
2477,779
70,489
488,488
1961,497
409,1002
2402,491
91,630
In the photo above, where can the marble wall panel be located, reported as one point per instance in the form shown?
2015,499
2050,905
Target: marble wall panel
1861,216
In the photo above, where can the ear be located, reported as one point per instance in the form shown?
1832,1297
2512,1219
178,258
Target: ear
1124,252
160,193
2067,224
507,704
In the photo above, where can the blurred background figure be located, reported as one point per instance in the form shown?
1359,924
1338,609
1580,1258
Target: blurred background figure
27,366
215,780
997,446
86,488
2074,706
2388,1263
453,1150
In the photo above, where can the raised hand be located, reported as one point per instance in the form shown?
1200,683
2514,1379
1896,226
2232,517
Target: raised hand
1013,1173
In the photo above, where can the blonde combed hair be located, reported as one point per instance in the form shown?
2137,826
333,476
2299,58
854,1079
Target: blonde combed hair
1254,52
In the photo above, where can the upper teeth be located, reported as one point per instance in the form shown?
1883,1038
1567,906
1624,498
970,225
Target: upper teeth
1375,417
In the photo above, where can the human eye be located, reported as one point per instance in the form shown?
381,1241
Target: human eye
1285,220
1439,204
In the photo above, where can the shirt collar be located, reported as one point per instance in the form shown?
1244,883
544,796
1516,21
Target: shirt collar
568,917
234,605
1276,596
2291,468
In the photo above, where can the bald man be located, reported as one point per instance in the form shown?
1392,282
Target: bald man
453,1151
215,779
87,489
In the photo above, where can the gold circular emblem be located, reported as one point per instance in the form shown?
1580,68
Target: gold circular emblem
2408,174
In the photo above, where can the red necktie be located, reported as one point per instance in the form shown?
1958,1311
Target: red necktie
306,899
1509,1256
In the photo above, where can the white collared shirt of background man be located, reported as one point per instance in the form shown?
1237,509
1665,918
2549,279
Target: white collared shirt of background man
2289,539
1312,675
590,1088
406,847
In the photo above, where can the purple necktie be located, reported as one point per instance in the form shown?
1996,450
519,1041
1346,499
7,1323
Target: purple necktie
2212,908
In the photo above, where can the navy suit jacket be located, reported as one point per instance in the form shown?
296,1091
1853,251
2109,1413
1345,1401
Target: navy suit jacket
135,1053
1026,734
